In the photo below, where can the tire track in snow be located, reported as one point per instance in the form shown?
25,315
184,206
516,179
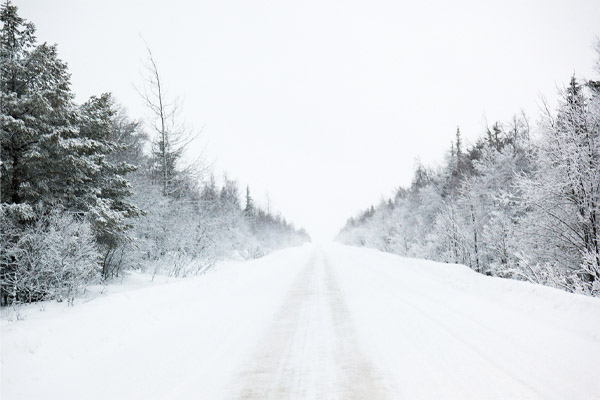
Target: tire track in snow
311,350
361,379
401,296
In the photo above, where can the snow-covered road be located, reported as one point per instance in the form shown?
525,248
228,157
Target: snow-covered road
330,322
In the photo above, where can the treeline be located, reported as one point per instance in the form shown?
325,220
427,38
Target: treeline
87,192
509,205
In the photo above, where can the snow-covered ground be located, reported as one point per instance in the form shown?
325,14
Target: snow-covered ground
330,322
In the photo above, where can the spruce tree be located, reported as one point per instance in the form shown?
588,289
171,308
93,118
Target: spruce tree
37,116
103,189
249,209
56,155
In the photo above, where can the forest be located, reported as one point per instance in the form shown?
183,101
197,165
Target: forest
88,191
522,202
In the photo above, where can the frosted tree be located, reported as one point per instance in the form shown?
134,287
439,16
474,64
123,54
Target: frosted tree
171,137
38,118
249,208
565,192
56,158
103,189
40,140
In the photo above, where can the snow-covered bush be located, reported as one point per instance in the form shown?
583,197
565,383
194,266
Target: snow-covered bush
52,256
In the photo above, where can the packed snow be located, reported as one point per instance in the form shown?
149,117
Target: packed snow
312,322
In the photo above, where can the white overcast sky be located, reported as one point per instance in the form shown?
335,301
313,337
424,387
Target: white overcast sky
326,105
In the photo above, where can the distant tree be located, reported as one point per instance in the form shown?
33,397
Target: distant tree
459,145
421,177
209,192
249,209
230,193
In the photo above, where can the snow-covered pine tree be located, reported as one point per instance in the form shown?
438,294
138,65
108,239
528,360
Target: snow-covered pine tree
38,118
38,129
55,156
249,208
103,189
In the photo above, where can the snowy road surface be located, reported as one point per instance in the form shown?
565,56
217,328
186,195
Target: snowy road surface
314,322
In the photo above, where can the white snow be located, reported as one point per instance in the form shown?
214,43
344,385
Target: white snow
311,322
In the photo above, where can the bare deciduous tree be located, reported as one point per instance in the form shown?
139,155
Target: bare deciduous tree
171,136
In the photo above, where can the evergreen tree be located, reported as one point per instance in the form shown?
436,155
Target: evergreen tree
38,118
249,209
56,157
458,144
103,189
